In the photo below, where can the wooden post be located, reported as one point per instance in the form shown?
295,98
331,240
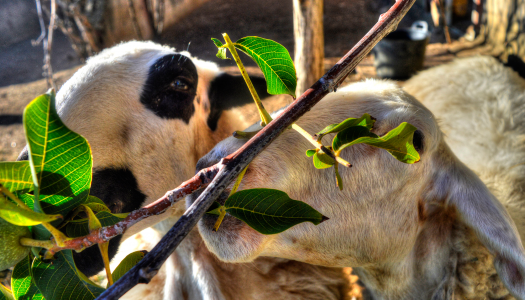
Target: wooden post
504,29
309,42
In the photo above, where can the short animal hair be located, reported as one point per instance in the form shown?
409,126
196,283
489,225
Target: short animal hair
407,229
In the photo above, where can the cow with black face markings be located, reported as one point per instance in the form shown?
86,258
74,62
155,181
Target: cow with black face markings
149,113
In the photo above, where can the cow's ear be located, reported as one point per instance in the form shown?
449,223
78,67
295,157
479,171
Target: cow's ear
228,91
477,208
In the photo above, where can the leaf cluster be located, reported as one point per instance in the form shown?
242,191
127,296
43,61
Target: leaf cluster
49,192
353,131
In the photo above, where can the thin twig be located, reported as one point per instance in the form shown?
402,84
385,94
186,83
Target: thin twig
46,43
232,165
104,234
47,58
42,25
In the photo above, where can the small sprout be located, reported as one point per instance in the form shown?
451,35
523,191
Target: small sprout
311,152
244,135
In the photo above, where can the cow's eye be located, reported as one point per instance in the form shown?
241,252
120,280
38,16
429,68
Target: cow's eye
180,85
418,141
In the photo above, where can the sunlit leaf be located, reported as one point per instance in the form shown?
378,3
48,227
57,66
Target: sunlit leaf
397,142
222,50
59,279
310,152
323,160
127,263
16,176
59,158
80,227
365,121
22,217
5,293
274,61
21,282
217,42
349,136
270,211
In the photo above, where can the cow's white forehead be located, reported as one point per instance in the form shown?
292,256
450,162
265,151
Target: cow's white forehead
130,51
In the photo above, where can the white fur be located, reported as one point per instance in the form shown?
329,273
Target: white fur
431,230
101,102
480,106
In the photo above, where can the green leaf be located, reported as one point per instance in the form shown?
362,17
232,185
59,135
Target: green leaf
5,293
397,142
59,279
98,207
274,61
127,263
21,282
349,136
214,208
310,152
222,50
22,217
323,160
270,211
217,42
80,227
365,121
60,159
16,176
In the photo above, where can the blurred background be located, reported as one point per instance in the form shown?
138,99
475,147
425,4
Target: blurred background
84,27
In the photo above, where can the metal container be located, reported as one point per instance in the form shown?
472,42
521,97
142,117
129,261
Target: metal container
401,53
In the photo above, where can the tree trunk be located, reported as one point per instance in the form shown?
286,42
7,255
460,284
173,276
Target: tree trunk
505,27
309,42
151,17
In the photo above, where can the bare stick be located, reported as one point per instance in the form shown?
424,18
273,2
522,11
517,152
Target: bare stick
231,166
47,58
42,25
46,43
104,234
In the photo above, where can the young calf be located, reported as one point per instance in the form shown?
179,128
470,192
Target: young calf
431,230
149,113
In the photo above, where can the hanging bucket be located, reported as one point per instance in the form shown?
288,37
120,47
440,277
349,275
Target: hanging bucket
401,53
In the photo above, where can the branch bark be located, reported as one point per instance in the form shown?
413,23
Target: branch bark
230,166
104,234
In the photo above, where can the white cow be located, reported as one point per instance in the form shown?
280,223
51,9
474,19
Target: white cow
431,230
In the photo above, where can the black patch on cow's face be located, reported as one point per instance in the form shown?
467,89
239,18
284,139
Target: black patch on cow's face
119,190
90,262
171,87
227,91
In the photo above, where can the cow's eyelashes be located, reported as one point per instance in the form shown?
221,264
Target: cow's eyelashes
179,85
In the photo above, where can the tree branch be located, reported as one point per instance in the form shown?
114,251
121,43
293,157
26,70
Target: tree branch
230,166
104,234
